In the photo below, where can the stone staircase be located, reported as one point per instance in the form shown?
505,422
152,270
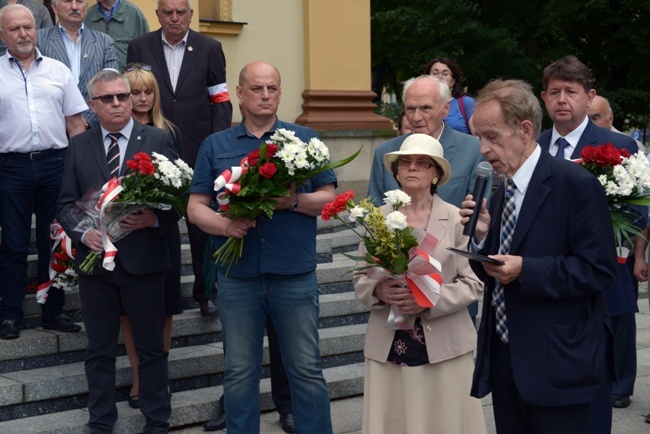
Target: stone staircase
43,386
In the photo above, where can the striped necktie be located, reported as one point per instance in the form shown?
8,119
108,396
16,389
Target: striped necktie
508,222
113,154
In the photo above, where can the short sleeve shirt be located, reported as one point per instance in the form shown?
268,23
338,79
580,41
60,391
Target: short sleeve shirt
34,104
283,245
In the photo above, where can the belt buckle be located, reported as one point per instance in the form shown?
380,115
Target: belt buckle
32,154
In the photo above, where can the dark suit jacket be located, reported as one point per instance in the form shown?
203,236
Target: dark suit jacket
97,53
558,326
621,296
190,107
143,251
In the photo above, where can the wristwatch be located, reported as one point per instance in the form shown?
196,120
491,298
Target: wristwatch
295,203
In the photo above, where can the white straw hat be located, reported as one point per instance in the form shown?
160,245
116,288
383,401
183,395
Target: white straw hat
421,144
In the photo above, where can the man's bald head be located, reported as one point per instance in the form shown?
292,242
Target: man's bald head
600,112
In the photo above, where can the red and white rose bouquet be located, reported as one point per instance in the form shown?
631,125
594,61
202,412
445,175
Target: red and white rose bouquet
153,182
61,271
626,180
266,173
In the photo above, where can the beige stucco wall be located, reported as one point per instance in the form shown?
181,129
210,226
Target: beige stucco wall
337,44
273,33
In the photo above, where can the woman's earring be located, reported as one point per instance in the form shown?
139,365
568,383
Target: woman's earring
434,181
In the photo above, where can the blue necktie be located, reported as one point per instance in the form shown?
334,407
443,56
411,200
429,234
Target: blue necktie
561,146
113,154
508,222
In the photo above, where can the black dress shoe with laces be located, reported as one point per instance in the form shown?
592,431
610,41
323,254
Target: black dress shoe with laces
9,329
287,423
209,309
61,323
216,423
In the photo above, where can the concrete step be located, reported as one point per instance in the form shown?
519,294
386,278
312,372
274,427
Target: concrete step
188,407
35,346
38,391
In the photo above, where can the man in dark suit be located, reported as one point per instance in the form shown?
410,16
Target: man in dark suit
191,72
544,334
135,286
91,50
568,94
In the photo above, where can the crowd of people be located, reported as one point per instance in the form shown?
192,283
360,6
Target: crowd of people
556,342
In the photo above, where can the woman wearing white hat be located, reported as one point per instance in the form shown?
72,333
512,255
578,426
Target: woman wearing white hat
417,381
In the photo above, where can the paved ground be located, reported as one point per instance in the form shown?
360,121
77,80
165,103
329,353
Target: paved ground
346,413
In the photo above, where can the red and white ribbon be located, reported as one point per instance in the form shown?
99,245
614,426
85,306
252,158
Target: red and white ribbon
111,190
228,180
58,235
422,276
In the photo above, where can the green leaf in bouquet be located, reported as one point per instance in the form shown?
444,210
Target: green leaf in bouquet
400,265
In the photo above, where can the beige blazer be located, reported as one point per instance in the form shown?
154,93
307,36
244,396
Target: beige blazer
448,329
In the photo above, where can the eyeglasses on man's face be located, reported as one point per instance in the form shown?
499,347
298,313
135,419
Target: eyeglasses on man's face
108,99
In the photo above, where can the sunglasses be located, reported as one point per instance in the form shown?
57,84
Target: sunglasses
133,66
108,99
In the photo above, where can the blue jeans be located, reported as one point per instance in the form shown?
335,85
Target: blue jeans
292,303
27,185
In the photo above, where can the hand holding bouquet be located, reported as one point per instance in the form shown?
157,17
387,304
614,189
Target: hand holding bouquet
154,182
265,174
393,249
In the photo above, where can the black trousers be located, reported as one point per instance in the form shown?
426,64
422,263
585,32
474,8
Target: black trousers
103,296
512,415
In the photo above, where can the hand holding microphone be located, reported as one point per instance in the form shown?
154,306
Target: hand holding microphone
484,174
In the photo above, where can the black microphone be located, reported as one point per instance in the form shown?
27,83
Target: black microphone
483,175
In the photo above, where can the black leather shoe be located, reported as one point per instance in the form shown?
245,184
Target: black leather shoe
61,323
287,423
9,329
209,309
216,423
134,401
619,401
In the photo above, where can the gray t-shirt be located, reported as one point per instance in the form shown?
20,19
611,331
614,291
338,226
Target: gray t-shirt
41,16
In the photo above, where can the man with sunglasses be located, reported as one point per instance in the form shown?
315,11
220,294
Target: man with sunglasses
39,105
84,51
191,72
135,286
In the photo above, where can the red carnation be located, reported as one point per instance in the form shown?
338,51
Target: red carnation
132,164
267,170
146,167
142,156
253,157
59,268
271,150
337,205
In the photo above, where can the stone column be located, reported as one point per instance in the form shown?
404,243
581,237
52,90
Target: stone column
337,67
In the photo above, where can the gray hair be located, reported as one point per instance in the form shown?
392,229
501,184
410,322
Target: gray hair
15,6
517,101
444,91
104,76
189,5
